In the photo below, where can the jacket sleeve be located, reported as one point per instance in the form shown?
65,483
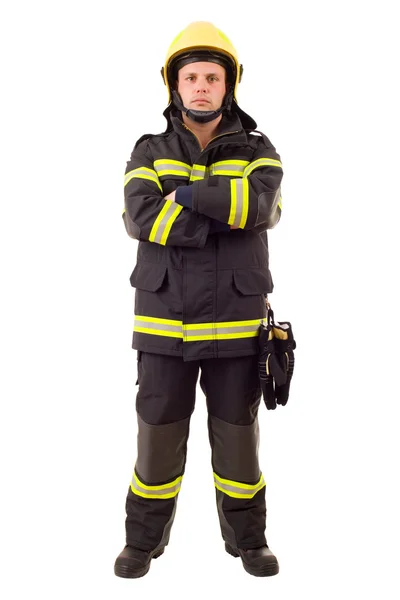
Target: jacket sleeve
249,202
148,216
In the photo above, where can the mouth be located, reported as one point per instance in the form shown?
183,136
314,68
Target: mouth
201,100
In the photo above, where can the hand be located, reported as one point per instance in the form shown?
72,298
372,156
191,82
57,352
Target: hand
234,227
170,196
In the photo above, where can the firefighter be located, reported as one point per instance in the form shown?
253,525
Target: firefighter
200,198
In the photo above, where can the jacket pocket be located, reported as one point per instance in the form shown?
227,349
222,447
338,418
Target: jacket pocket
252,282
148,276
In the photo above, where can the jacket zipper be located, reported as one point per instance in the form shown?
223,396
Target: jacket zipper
215,237
212,139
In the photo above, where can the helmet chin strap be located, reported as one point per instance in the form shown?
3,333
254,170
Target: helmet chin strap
202,116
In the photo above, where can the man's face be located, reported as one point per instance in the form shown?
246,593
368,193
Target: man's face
201,85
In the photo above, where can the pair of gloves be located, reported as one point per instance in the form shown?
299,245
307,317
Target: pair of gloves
276,360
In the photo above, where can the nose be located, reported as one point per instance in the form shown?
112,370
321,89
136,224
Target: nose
202,85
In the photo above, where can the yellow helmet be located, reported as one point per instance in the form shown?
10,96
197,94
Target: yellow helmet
205,37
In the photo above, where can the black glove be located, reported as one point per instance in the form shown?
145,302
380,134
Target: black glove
276,362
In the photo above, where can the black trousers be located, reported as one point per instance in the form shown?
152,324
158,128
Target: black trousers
164,404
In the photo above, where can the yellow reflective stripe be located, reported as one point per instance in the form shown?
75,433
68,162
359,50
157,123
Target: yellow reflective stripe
221,331
158,332
154,496
169,224
232,214
157,492
158,320
142,173
245,209
280,203
222,168
236,494
164,161
166,166
164,486
157,222
240,163
173,172
239,202
221,336
162,225
193,332
261,162
226,173
196,167
155,326
224,324
198,172
237,489
246,486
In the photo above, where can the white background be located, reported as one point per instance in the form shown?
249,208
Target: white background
80,84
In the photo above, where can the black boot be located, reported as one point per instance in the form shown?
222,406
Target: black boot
256,561
133,562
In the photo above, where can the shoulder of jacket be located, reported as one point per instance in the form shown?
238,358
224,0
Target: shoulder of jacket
152,138
256,136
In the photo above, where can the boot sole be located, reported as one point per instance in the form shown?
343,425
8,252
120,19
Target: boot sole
129,573
265,571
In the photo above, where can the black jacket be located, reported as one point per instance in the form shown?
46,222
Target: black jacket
200,285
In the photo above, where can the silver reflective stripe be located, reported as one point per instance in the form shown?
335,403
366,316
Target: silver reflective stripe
239,202
164,222
215,331
168,490
170,169
196,332
149,325
227,169
236,489
262,162
162,225
142,173
196,173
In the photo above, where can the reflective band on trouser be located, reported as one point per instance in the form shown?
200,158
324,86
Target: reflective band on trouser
236,489
142,173
221,331
280,203
162,225
230,168
198,172
239,202
159,492
167,166
261,162
197,331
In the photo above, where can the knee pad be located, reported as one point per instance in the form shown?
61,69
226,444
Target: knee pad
235,458
161,459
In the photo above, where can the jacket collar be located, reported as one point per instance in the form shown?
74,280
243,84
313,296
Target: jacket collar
234,121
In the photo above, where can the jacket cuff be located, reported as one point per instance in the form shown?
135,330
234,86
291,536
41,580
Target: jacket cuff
184,196
218,227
